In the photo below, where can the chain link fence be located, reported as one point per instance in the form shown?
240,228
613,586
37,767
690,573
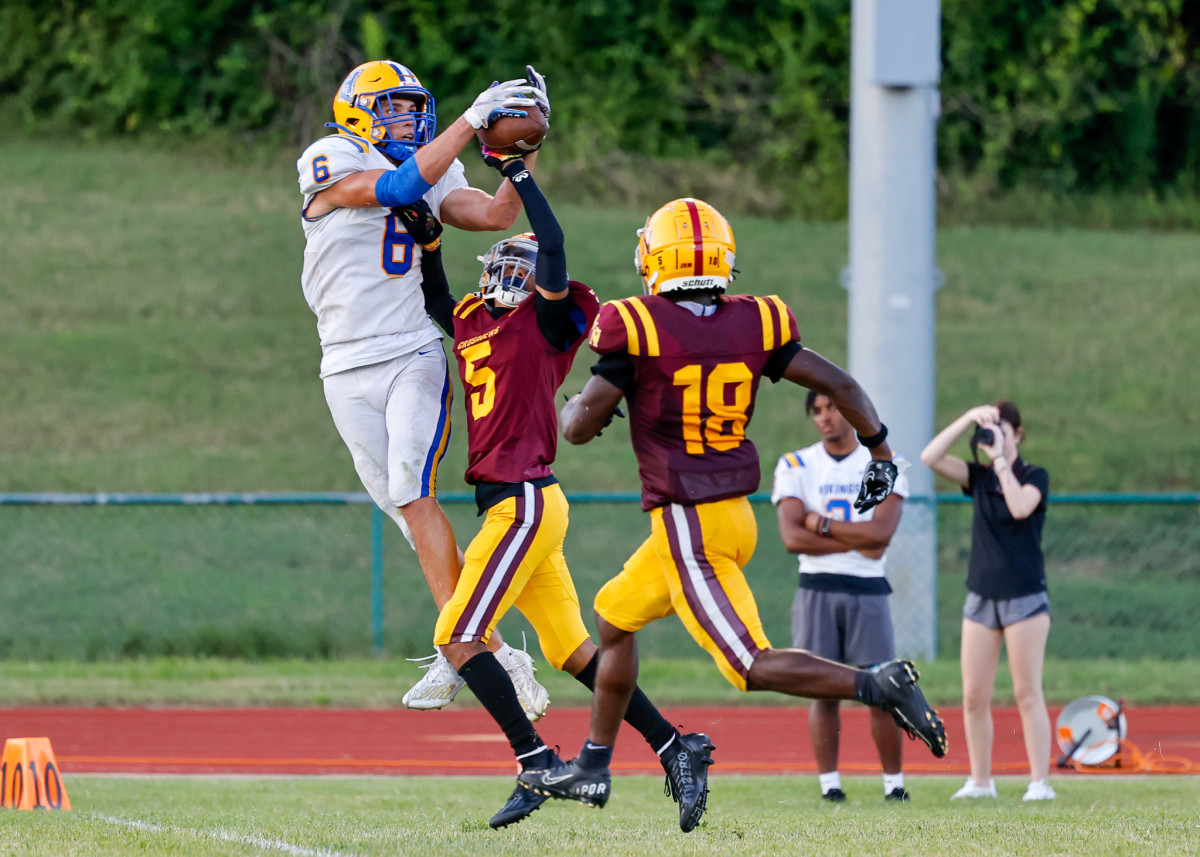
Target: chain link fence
103,577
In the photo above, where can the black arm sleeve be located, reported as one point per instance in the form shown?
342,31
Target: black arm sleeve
778,362
560,321
616,369
552,257
439,303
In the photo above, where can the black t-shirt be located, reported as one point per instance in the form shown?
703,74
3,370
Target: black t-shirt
1006,554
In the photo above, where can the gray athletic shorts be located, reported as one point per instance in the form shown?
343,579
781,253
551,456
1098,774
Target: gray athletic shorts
999,614
849,629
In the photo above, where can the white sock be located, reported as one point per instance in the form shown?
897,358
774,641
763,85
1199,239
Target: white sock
502,652
832,780
891,782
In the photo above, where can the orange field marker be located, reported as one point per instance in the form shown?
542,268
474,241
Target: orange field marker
29,777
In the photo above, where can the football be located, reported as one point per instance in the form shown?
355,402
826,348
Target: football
515,135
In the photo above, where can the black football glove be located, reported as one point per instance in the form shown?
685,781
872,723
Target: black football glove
420,223
877,482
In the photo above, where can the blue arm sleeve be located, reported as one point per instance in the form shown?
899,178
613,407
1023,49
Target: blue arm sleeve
401,186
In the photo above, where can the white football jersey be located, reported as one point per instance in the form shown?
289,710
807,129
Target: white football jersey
830,487
362,270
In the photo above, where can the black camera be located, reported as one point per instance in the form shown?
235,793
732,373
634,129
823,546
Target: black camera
986,436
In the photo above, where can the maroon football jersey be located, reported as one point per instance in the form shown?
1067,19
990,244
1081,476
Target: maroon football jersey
695,381
510,377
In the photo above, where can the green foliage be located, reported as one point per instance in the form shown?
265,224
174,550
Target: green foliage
1085,95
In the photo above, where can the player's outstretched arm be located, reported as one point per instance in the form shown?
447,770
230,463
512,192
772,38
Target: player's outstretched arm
586,414
470,208
809,369
551,256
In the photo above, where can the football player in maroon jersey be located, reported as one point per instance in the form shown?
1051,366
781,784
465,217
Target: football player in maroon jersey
688,359
515,339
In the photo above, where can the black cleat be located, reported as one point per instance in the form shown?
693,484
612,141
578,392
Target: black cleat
899,793
568,781
897,682
686,762
834,796
521,803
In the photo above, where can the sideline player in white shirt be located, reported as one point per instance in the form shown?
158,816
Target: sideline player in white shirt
384,371
841,608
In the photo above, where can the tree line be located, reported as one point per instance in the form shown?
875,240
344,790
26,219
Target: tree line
1071,95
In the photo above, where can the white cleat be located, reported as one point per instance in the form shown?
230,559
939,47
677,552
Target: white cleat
971,790
437,688
1039,790
518,664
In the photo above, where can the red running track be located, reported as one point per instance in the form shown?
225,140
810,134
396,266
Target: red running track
463,740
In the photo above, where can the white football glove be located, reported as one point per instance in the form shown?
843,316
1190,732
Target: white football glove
539,90
498,100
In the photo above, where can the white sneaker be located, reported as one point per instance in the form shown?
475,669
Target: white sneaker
519,665
970,790
437,688
1039,790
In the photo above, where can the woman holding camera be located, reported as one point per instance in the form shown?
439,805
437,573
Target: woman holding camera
1006,601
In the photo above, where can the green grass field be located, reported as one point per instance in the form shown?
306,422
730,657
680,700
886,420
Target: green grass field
155,337
442,816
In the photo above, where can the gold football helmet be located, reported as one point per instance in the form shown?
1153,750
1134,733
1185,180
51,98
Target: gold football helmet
685,246
363,107
508,270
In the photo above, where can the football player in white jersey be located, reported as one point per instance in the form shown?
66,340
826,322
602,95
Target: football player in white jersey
384,371
841,608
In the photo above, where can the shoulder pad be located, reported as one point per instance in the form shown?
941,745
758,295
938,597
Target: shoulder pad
778,324
625,325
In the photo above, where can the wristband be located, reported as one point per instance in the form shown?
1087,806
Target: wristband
823,527
875,439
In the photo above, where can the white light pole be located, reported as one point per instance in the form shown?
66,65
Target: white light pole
894,103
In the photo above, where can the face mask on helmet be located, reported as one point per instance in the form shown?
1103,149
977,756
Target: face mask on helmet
371,103
508,270
685,246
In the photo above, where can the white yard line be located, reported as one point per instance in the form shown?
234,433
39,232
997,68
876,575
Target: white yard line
223,835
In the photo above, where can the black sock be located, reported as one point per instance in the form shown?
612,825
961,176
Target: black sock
594,756
866,690
641,714
492,687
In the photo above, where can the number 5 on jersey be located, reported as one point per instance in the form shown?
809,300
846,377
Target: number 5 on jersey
481,378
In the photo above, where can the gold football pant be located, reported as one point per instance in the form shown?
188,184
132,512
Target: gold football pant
517,559
692,566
